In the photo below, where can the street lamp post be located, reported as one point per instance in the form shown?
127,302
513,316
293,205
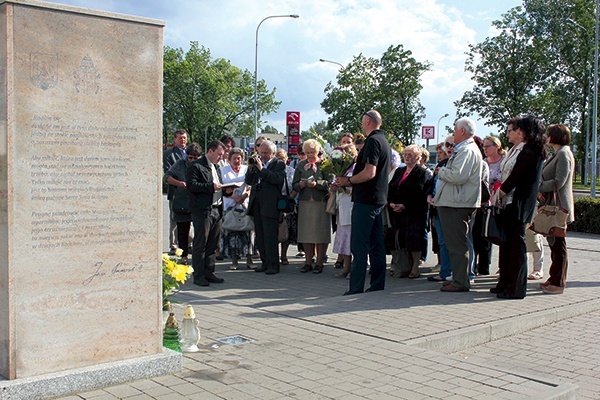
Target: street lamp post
438,126
595,117
256,69
585,176
332,62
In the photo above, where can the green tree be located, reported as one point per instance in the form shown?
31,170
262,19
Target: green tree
564,30
209,97
270,129
506,70
390,84
540,62
321,130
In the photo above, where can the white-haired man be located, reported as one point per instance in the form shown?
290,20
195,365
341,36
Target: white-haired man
458,194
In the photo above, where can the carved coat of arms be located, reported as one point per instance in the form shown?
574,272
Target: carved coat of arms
86,76
44,70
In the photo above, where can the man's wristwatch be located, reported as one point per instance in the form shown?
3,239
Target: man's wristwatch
349,181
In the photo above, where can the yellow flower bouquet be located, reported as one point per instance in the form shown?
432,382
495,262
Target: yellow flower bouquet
174,274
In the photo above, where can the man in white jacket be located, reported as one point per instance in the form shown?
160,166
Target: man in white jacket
458,194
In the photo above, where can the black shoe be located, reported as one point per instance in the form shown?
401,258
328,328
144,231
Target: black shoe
505,295
272,271
306,268
318,269
215,279
261,269
495,290
219,257
372,290
201,282
349,293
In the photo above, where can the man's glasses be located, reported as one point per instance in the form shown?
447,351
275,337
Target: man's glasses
193,158
448,144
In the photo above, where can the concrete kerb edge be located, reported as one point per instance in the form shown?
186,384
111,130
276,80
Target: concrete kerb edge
463,338
89,378
564,391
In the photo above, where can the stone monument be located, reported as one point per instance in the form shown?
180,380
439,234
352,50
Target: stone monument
80,180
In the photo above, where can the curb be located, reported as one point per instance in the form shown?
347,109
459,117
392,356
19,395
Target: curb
460,339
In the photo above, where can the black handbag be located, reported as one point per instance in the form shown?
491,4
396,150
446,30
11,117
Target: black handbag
286,203
492,224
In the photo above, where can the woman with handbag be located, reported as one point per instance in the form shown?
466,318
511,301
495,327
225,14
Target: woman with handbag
181,212
236,243
521,169
314,224
556,188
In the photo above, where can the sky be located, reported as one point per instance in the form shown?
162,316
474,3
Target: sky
437,31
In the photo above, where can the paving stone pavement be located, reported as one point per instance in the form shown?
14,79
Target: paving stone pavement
568,350
410,341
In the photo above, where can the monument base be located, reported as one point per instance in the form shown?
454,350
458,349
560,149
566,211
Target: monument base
89,378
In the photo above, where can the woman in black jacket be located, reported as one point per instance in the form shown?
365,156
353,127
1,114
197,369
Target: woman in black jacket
407,202
521,170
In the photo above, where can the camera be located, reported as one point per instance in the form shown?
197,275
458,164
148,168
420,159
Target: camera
252,160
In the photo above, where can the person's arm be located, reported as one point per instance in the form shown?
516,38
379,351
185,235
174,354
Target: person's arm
563,168
523,166
365,175
172,181
296,181
274,176
459,172
196,181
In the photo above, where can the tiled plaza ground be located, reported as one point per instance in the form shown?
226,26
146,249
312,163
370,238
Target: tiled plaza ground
410,341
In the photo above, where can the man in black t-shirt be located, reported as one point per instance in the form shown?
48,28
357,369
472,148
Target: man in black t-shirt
369,194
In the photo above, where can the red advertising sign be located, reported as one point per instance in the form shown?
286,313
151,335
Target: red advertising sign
292,118
428,132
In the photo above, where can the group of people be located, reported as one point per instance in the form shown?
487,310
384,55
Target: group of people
203,189
479,173
380,206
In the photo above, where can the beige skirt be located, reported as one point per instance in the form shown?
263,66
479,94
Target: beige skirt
314,224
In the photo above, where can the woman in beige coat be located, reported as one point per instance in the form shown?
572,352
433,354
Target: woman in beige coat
558,173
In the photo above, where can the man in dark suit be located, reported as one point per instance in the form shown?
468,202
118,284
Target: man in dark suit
206,203
266,175
170,156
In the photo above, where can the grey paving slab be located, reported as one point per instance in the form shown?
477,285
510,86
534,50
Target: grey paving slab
311,342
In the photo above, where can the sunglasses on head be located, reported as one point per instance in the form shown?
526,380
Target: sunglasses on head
448,144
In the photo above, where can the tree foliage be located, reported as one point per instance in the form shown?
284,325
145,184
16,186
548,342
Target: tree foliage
390,85
540,62
209,97
321,129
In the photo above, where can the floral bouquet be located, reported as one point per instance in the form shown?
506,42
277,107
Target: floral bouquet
338,163
174,274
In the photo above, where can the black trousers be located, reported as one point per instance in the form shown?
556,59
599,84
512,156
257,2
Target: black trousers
481,246
266,229
207,229
513,256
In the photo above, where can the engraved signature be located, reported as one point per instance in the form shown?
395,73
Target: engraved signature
119,268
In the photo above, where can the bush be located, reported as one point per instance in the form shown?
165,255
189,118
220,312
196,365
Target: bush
587,215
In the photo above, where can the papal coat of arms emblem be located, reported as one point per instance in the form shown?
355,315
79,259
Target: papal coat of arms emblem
86,76
44,70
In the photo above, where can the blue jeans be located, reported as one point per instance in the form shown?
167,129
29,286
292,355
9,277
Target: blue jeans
471,249
367,241
445,268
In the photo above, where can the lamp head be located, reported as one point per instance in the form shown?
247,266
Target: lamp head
295,16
